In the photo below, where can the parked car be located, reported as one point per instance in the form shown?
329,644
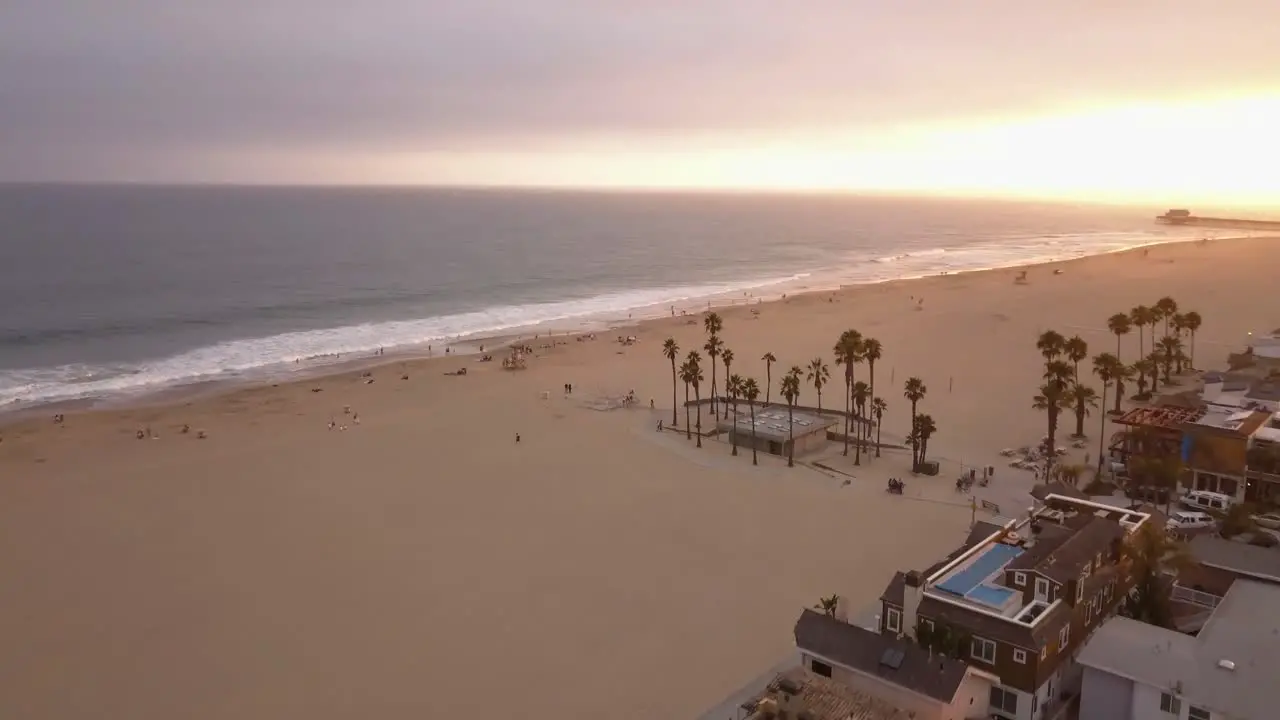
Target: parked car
1187,520
1268,520
1205,500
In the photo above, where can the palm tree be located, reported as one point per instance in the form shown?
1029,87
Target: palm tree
1082,397
1192,322
1166,307
672,350
1076,349
769,360
1119,324
733,386
871,352
828,605
686,376
878,408
1141,316
1105,366
1122,373
818,374
925,428
1141,370
726,359
1068,474
847,350
1170,349
713,347
1052,399
791,391
1051,344
1151,555
1156,358
695,379
751,391
861,392
914,390
1058,371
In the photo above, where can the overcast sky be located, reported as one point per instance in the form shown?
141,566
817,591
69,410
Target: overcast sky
240,89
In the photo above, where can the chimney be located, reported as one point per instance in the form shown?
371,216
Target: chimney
912,592
842,608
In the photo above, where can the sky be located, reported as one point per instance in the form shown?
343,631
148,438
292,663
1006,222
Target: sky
1140,100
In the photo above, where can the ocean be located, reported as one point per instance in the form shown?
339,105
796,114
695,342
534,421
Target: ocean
115,291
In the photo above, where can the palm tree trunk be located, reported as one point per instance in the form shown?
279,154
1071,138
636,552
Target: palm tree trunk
819,401
1051,450
1080,418
877,438
791,434
697,396
848,395
674,397
914,449
687,425
1102,431
752,405
1118,336
713,389
733,429
1119,393
1193,349
768,382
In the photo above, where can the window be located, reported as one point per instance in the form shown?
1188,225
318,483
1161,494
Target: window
927,624
1080,590
1020,579
1110,586
1170,704
1004,700
1020,656
1088,612
1195,713
1063,636
820,668
984,650
1044,652
1042,588
893,620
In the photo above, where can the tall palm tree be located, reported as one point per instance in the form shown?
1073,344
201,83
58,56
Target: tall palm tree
861,393
1141,316
686,376
1192,322
878,408
672,351
818,373
925,428
1052,399
1105,366
1082,397
791,391
1058,371
872,351
726,359
1166,307
1119,324
1123,373
1170,350
1156,358
751,392
1076,349
733,386
1151,556
914,390
713,346
1051,344
695,379
847,350
769,360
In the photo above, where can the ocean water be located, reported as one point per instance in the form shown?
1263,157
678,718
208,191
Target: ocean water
112,291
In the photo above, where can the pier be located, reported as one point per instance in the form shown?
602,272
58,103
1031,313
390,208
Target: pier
1184,217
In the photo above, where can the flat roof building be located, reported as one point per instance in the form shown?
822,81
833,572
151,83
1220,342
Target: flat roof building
773,434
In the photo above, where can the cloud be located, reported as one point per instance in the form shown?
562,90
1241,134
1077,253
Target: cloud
86,86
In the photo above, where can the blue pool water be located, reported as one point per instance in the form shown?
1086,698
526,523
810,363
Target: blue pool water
963,582
990,595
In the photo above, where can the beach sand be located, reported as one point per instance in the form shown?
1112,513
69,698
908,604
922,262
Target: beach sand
422,563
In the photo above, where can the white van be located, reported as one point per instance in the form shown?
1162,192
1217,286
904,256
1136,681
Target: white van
1205,500
1184,520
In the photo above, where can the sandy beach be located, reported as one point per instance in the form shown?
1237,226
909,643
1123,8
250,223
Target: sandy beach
423,563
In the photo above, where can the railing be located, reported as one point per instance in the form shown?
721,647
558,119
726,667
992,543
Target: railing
1195,597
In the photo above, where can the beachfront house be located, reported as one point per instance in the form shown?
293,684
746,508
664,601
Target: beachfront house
895,670
1135,671
1215,568
1018,602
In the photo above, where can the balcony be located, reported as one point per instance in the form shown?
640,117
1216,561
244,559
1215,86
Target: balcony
1181,593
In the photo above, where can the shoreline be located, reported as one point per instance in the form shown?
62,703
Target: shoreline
467,348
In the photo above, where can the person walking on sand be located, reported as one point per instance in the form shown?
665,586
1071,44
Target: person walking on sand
517,437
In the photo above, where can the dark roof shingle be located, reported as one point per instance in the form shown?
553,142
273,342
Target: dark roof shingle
860,649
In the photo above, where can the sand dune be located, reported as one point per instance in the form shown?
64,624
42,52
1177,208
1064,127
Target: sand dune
422,563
